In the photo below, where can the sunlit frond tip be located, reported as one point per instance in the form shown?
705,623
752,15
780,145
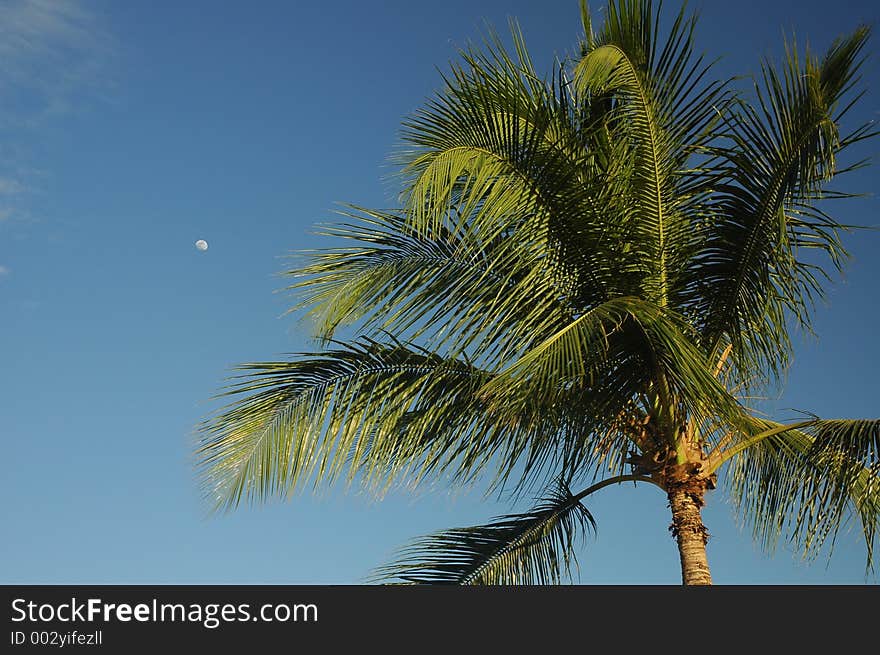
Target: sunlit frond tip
326,415
536,547
807,482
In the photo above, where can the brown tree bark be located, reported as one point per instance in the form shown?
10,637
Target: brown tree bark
686,501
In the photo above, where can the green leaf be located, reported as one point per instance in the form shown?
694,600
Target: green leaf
536,547
807,483
663,119
451,284
613,352
755,271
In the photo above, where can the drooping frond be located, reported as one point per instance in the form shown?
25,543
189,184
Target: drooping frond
754,272
537,547
325,413
807,483
386,412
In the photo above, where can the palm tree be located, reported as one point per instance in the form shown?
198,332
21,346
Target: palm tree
588,278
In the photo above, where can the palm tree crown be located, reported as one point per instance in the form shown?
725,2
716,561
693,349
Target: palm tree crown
587,276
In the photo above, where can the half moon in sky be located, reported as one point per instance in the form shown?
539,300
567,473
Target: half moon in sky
201,244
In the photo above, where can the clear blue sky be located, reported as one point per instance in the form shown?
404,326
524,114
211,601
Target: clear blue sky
129,130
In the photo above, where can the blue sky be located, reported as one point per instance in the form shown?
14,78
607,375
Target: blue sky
129,130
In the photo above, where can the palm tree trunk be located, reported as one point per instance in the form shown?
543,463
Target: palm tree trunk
690,533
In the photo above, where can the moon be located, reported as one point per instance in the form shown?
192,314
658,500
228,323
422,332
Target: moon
202,245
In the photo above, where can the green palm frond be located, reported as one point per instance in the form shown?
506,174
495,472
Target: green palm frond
615,351
664,117
537,547
315,416
497,155
386,412
753,274
807,483
449,283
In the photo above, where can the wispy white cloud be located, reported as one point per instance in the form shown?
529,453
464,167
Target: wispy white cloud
50,50
12,203
54,57
9,186
3,271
